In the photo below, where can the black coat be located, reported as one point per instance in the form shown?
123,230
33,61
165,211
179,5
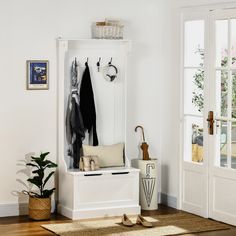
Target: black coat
87,105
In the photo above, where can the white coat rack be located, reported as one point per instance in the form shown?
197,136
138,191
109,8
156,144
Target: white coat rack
108,191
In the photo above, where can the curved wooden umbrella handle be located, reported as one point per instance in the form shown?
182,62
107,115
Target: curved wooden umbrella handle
139,126
144,145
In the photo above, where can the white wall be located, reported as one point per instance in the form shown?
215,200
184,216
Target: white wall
169,102
28,118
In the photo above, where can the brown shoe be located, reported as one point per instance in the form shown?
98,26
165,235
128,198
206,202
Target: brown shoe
141,221
126,221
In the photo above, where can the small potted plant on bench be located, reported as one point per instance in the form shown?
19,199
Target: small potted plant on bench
40,201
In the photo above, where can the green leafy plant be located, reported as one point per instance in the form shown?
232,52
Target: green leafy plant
198,96
40,164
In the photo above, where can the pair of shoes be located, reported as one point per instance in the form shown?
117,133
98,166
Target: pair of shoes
140,221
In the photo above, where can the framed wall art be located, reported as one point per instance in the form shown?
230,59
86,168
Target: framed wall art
37,74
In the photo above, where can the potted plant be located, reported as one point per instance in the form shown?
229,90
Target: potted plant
40,201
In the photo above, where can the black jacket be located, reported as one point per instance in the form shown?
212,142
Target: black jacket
87,105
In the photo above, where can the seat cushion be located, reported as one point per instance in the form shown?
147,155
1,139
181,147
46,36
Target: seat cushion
109,155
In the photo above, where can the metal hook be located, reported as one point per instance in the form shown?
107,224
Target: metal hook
86,63
98,64
76,63
110,61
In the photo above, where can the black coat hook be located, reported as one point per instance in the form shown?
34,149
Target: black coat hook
110,61
76,62
86,63
98,64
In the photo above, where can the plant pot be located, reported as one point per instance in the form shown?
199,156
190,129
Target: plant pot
39,208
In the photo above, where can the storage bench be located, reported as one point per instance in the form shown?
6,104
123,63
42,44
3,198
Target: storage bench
101,193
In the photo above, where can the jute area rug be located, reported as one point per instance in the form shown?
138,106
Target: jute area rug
171,224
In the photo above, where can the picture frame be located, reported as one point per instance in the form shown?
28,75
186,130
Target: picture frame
37,74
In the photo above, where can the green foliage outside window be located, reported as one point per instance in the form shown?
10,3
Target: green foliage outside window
198,96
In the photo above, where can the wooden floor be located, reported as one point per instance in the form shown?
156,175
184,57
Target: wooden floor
23,226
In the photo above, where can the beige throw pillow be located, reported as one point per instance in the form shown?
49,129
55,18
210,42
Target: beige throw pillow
109,155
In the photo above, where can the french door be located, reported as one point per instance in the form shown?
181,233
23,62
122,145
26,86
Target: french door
194,166
222,158
209,115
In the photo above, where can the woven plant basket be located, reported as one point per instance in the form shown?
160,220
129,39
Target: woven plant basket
39,208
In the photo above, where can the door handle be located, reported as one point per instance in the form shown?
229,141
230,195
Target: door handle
211,121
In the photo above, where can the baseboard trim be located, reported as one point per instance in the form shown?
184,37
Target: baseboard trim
16,209
98,212
13,209
168,200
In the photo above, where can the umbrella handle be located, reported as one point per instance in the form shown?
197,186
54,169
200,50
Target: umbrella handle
144,147
139,126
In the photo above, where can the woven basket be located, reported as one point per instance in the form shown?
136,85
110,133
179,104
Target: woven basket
107,31
39,208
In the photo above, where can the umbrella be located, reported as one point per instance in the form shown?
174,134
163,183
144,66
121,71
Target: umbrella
144,145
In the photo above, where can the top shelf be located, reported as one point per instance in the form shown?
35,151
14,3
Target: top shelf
94,44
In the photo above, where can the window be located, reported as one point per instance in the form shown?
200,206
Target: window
193,90
225,80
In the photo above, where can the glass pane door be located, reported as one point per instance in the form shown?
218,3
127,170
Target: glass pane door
193,90
222,149
225,81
